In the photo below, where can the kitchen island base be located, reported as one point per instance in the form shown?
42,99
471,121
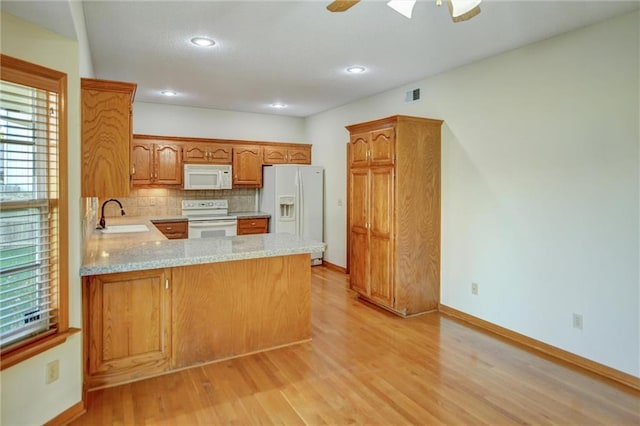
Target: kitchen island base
210,312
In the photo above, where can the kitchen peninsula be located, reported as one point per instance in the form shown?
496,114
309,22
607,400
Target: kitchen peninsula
153,305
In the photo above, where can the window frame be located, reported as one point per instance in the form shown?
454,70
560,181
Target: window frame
17,71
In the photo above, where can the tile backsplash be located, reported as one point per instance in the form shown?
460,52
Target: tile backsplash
168,202
162,202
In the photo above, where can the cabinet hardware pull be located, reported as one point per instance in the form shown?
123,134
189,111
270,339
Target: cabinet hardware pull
166,283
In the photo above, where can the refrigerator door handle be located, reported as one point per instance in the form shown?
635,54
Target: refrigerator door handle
301,204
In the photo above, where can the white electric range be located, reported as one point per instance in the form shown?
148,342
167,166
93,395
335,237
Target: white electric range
209,218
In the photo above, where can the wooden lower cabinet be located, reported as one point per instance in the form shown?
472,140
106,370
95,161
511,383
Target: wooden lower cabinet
253,226
173,230
128,326
144,323
227,309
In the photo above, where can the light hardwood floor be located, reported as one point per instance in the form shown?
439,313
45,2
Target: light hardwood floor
366,366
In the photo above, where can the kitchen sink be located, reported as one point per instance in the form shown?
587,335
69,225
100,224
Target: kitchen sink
123,229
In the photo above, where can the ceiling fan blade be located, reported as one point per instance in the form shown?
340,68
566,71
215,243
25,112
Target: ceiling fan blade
463,10
341,5
403,7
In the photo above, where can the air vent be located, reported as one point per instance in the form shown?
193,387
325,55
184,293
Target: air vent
412,95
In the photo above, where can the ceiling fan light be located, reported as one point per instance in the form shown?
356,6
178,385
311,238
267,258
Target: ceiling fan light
463,10
404,7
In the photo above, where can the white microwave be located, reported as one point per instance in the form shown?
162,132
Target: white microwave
207,176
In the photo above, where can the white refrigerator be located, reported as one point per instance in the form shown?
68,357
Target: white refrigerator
294,197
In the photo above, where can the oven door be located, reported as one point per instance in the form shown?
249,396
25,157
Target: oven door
212,228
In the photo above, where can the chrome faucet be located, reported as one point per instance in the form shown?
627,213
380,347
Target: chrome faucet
103,223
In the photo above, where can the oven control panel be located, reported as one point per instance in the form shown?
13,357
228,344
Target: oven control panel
204,204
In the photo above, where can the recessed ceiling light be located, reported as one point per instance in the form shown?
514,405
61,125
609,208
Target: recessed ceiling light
202,41
278,105
356,69
168,93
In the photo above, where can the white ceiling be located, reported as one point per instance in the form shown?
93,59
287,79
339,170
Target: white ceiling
296,52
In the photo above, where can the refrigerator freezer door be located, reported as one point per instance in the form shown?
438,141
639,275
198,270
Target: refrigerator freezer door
311,214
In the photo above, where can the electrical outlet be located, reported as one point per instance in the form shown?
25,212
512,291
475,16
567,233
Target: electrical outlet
53,371
474,288
339,202
577,321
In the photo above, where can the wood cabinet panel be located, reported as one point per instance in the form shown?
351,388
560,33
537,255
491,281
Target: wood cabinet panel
129,325
283,154
168,165
381,235
299,155
359,230
207,153
253,226
156,164
173,230
106,136
394,214
142,156
247,166
260,304
359,150
382,147
274,155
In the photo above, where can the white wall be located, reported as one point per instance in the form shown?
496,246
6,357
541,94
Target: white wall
540,186
24,383
86,63
172,120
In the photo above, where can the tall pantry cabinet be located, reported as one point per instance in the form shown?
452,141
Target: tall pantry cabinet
393,216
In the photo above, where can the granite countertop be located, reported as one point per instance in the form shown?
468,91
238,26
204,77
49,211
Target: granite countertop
109,253
239,215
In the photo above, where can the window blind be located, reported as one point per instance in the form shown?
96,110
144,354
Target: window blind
28,212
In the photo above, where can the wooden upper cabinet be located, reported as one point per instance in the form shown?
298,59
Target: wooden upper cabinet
372,148
282,154
207,153
106,137
156,164
247,166
382,146
142,158
359,150
168,164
